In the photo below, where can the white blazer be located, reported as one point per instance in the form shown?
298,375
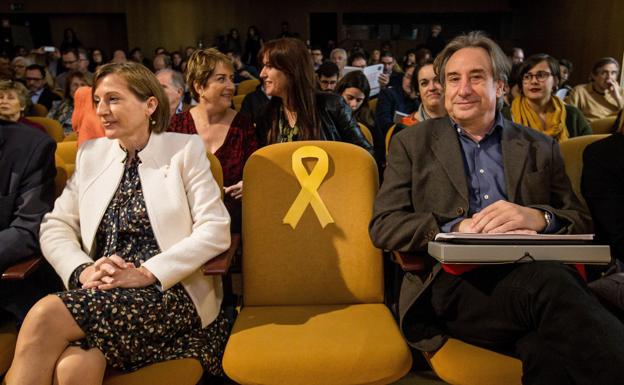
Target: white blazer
183,202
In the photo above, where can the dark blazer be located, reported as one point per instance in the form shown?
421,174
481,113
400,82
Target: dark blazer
425,186
602,185
390,100
336,120
27,174
47,97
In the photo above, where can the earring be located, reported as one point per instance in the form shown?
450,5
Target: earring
152,122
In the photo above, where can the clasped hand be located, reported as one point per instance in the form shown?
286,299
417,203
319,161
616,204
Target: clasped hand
503,217
113,271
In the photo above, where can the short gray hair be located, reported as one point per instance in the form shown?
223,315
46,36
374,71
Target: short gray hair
176,77
476,39
336,50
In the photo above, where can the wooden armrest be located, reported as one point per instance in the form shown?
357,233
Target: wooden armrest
409,261
22,270
220,264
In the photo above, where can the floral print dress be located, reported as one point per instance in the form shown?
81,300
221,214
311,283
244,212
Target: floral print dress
135,327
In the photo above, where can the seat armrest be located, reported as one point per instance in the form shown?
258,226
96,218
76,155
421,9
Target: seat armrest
411,262
220,264
22,270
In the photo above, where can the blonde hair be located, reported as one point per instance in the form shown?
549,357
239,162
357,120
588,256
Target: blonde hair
141,83
201,65
20,90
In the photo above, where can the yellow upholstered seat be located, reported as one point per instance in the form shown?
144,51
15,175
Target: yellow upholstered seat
53,127
247,86
389,137
572,152
603,126
366,132
313,293
460,363
372,104
238,101
73,137
39,110
67,151
179,372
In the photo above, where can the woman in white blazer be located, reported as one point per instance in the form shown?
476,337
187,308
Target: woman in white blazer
127,236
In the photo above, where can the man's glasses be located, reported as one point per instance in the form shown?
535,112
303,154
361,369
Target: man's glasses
541,76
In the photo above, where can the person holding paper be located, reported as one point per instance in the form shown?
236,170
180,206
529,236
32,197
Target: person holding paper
474,171
392,100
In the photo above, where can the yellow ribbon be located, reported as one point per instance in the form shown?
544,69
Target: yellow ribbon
308,195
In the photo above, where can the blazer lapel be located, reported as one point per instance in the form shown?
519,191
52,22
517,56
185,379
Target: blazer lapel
447,150
515,150
99,192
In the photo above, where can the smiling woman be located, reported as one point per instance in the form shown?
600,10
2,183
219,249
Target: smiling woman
140,202
539,108
230,136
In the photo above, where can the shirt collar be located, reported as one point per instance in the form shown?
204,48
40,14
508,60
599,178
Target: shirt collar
180,107
497,126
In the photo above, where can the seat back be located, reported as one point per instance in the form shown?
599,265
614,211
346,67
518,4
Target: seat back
389,137
247,86
216,169
603,126
317,257
237,100
67,151
366,132
53,127
39,110
572,152
372,104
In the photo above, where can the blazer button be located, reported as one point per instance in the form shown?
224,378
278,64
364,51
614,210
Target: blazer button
460,211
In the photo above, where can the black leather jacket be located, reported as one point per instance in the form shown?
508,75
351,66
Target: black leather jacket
336,119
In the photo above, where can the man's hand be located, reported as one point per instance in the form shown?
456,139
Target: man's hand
465,226
506,217
384,80
615,91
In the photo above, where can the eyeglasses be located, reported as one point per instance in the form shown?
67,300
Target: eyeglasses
69,62
33,79
541,76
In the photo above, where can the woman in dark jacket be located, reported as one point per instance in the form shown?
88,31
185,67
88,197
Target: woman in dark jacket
296,111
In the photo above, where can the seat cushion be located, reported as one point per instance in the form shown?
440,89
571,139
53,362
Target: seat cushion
185,371
460,363
325,344
8,337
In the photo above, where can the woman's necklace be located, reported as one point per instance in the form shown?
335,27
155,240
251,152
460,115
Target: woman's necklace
291,117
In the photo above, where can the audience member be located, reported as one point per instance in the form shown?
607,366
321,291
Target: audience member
253,44
431,95
18,65
602,97
5,68
97,59
358,59
83,58
285,30
477,172
70,41
423,56
39,91
539,109
327,75
14,101
565,69
176,61
435,43
516,56
409,59
390,76
119,233
242,71
339,57
27,184
296,111
85,122
317,56
229,135
62,110
355,90
172,83
400,99
375,57
136,55
71,62
255,103
119,56
233,42
161,61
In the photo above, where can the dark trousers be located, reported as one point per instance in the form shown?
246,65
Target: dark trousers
541,312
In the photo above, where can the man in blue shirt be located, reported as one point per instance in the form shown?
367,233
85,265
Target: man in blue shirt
474,171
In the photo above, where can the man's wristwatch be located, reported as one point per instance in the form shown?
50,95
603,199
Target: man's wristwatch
547,218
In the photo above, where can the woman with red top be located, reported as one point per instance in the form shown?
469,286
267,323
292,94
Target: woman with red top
230,136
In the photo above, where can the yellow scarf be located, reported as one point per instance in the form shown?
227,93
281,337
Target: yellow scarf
522,113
